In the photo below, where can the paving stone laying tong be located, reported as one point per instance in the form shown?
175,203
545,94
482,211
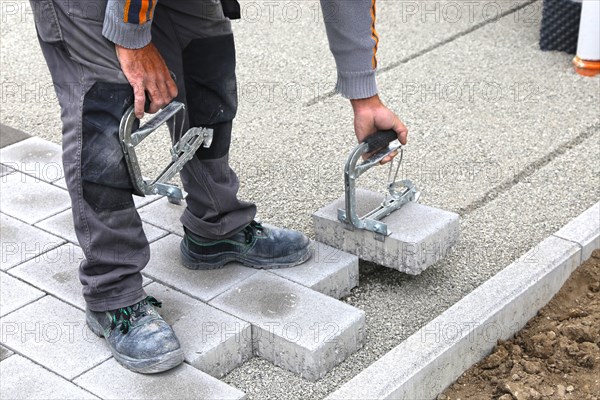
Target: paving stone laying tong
181,152
399,192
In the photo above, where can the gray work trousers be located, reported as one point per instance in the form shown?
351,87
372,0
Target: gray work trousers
196,41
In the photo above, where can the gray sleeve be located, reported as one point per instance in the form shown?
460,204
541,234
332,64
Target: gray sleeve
128,22
350,26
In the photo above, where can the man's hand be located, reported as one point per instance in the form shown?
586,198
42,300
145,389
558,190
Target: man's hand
370,116
148,74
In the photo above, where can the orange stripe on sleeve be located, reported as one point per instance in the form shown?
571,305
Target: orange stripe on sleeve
126,11
144,11
374,34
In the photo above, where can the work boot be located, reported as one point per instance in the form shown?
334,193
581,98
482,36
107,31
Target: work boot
138,336
254,246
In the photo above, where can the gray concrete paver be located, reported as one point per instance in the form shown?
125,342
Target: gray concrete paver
14,294
164,215
330,271
183,382
34,156
29,199
54,335
4,170
23,379
5,353
213,341
295,328
21,242
57,272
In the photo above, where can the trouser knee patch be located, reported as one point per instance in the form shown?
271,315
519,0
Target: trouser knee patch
104,198
102,159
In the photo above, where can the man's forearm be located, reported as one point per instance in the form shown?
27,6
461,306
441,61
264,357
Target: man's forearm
350,26
128,22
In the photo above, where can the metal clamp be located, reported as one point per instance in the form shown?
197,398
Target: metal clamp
181,152
399,192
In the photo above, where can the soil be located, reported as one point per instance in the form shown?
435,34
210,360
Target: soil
555,356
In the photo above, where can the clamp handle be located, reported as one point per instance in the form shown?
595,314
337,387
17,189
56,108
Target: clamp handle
380,139
379,143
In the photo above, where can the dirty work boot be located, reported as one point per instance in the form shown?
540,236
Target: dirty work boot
254,246
138,336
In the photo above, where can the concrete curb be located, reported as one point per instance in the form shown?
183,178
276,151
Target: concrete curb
435,356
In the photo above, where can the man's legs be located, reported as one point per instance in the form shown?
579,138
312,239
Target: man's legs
219,227
94,94
203,61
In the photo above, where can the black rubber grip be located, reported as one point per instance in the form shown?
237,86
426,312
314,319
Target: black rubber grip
380,139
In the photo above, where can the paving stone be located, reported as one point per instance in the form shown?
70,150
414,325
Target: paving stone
165,266
15,294
36,157
295,327
60,183
183,382
4,170
10,135
436,355
57,272
54,334
62,225
29,199
213,341
23,379
5,353
22,242
329,271
584,230
164,215
421,235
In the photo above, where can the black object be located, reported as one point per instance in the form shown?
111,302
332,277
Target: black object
231,9
380,139
560,25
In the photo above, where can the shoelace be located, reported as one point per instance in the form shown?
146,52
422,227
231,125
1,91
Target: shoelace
250,229
123,315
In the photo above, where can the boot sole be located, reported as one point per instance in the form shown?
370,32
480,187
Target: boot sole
199,262
153,365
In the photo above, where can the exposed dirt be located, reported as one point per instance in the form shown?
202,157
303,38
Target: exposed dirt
555,356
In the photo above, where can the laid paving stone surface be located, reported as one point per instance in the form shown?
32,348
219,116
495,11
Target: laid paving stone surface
57,272
23,379
5,353
36,157
294,327
29,199
213,341
4,170
182,382
62,225
21,242
329,271
165,266
15,294
54,334
164,215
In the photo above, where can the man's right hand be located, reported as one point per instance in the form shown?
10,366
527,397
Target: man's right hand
148,74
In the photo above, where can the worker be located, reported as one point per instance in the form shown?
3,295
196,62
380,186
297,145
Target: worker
106,55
